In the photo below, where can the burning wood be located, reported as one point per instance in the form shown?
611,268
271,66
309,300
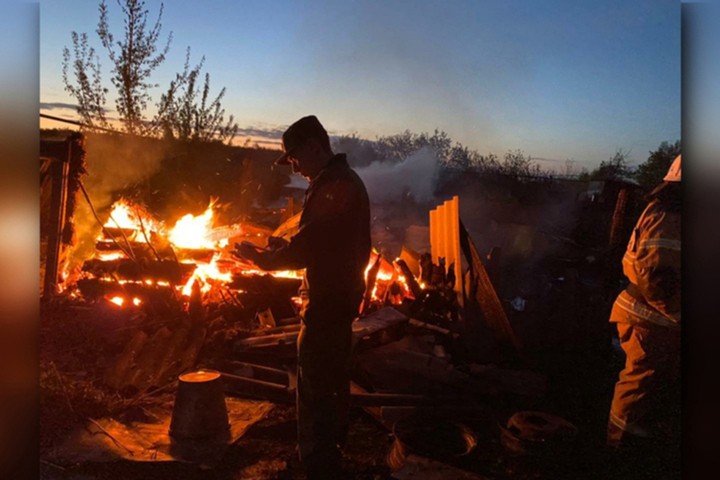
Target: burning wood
136,253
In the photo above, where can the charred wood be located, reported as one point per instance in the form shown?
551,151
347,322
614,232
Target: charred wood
417,292
370,283
125,269
266,284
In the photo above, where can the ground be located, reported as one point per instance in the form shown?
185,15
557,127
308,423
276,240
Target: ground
77,345
267,451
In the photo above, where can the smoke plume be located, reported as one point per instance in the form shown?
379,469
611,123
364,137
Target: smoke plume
113,163
415,176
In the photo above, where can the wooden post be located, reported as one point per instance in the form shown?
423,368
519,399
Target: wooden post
618,218
59,169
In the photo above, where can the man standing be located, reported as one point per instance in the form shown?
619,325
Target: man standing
647,315
333,245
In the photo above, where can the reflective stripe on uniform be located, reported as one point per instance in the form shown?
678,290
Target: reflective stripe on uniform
668,243
618,422
642,311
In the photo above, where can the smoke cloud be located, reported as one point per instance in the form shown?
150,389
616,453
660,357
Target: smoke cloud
113,163
415,176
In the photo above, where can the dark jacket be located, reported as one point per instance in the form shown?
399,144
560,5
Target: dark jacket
333,242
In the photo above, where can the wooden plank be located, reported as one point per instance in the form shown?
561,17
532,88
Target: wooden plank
375,412
257,388
435,328
117,374
259,372
59,169
380,320
486,296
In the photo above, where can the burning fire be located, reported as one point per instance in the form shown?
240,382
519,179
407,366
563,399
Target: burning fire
203,273
118,301
192,232
199,232
124,216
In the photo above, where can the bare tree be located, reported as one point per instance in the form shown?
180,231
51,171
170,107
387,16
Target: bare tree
184,118
87,87
135,57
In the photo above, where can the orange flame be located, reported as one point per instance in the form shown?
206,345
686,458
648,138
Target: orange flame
205,272
118,301
132,217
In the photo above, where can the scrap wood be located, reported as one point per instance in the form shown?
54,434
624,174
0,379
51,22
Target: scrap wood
435,328
156,361
236,384
172,367
393,367
417,292
116,375
275,330
150,359
126,269
375,412
282,338
412,259
248,385
380,320
260,372
485,294
289,321
87,197
371,278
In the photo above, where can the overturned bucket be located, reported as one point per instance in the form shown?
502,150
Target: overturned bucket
200,413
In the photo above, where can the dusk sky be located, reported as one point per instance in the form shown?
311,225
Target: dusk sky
556,79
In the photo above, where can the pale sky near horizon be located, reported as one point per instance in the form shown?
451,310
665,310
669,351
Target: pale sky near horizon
556,79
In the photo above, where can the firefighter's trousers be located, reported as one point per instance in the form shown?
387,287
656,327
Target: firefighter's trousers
648,388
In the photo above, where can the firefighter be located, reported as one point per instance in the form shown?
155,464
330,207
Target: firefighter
647,314
333,245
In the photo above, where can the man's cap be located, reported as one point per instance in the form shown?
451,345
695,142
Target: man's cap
673,174
298,133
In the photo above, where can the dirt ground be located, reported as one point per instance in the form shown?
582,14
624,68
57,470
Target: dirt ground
580,393
77,346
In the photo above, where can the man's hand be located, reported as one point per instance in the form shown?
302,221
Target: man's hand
276,242
246,251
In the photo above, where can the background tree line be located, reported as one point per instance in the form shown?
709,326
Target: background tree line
453,156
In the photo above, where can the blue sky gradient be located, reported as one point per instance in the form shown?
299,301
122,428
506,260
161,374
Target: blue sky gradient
556,79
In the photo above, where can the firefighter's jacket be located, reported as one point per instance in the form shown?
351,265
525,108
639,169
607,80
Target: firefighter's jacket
652,265
333,241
